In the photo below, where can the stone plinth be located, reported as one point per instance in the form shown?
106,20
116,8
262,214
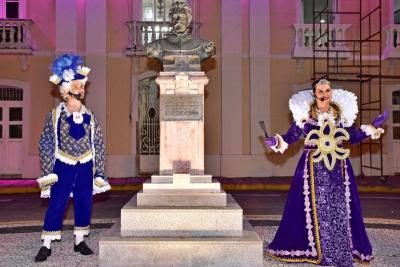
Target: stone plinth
194,187
182,190
243,251
165,179
185,199
181,183
181,122
181,221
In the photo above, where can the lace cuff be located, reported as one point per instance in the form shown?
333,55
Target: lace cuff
374,133
100,185
281,145
47,180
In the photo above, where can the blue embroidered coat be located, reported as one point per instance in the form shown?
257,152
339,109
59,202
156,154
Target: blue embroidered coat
71,138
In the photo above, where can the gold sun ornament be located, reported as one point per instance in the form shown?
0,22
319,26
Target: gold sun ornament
327,140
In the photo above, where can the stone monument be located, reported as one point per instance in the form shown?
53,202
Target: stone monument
182,217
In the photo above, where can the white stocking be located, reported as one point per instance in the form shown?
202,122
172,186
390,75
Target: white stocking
78,238
47,242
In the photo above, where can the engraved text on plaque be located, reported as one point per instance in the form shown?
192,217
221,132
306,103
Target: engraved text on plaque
181,107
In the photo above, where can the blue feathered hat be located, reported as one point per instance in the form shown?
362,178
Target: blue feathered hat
67,68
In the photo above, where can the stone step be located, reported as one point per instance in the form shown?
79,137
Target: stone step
213,187
181,221
182,199
165,179
244,251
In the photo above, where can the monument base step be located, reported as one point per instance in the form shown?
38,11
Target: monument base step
198,187
182,199
115,250
165,179
181,221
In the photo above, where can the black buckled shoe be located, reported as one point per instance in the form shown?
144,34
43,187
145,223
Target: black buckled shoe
83,248
43,254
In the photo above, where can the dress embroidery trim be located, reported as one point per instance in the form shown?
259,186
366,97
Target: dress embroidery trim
327,144
314,246
71,160
347,195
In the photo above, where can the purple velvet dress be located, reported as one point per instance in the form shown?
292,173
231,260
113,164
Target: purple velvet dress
322,221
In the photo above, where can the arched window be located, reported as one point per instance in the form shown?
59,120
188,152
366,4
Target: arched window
149,126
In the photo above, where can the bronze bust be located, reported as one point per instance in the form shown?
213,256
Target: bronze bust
179,50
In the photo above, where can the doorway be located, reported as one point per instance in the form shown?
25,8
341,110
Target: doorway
11,130
149,125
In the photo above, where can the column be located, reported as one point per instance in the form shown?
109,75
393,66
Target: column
231,55
259,71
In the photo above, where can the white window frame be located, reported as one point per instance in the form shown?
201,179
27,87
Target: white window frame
165,19
392,9
21,9
300,12
137,9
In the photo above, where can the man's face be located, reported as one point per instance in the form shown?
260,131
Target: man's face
78,88
180,21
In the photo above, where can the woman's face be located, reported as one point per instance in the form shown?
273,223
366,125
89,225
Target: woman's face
323,95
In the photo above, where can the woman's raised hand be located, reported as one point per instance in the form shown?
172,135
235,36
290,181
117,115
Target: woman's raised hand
378,121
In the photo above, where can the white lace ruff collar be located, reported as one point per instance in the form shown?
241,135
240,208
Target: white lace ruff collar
299,105
77,116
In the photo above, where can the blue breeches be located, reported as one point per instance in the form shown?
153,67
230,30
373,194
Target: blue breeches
78,180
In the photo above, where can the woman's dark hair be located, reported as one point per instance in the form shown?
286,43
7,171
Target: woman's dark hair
313,113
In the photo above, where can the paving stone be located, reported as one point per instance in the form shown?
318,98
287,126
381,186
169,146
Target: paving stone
19,249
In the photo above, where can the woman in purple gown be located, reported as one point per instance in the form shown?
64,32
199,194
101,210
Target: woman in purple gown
322,221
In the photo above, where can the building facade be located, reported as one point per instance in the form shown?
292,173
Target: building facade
264,55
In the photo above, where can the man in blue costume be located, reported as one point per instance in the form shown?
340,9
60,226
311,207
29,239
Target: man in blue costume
72,157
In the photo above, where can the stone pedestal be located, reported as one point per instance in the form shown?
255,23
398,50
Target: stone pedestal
182,221
182,217
182,122
244,251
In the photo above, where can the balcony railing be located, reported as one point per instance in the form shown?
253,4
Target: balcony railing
392,46
15,37
303,47
143,32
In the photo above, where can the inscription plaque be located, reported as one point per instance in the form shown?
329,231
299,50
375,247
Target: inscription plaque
181,107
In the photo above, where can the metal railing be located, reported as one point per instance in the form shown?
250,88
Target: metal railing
304,33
